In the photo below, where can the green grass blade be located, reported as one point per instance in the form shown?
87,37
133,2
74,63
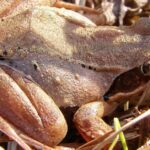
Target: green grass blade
121,135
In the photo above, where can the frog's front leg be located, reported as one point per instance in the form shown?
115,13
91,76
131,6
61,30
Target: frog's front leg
88,119
27,107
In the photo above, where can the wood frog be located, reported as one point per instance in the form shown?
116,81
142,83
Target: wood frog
74,65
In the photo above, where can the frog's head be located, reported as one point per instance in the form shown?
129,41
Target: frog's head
129,85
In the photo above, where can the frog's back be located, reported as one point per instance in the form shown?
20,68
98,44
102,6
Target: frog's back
74,65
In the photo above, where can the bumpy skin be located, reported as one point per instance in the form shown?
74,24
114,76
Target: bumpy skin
74,65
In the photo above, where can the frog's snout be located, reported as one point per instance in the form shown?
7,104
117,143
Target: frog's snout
145,68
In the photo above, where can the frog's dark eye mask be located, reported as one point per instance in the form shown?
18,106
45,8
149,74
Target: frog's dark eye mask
129,83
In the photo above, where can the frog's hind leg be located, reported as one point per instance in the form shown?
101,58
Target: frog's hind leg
20,138
28,108
88,120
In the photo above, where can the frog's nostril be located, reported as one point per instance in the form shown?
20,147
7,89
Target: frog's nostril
106,98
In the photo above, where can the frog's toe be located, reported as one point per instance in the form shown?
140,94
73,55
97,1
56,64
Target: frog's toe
88,121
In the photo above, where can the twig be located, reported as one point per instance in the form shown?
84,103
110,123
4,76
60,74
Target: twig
61,4
34,143
129,124
146,91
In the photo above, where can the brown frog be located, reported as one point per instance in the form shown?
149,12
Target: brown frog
74,65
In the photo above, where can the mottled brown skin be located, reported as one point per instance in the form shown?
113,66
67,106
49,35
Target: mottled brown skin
82,62
74,65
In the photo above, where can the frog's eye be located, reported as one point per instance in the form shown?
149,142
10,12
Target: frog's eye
145,68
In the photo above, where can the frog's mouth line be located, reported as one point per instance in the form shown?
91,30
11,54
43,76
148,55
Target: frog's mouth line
119,96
